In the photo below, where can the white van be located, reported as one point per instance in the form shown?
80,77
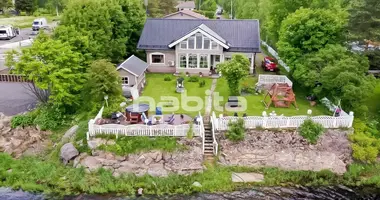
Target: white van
40,23
7,32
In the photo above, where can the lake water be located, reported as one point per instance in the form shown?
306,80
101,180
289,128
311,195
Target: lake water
267,193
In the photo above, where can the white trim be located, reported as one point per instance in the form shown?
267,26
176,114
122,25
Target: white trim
157,53
194,32
123,84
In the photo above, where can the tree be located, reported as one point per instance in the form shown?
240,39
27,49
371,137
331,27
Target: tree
28,6
209,5
103,80
308,30
54,67
4,4
112,28
373,58
364,20
168,6
234,70
154,9
336,73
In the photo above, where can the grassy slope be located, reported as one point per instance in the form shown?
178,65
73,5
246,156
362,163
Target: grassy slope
156,88
373,102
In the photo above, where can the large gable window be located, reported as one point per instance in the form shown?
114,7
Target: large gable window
191,42
125,80
206,43
214,45
157,58
199,39
182,61
183,44
193,61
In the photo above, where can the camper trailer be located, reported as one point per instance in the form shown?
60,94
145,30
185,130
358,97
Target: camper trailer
7,32
40,23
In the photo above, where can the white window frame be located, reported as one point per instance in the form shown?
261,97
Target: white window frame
203,45
196,40
188,42
179,59
217,45
183,42
188,60
122,81
158,54
207,63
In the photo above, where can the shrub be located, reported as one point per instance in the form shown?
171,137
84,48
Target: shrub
167,78
49,118
247,88
311,131
193,79
236,130
202,83
22,120
365,153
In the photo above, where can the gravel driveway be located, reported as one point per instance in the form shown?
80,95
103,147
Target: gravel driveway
15,98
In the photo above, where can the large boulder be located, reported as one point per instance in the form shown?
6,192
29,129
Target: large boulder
70,133
68,152
92,163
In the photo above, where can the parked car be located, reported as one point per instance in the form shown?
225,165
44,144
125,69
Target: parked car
40,23
8,32
269,64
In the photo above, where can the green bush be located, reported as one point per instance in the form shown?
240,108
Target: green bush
311,131
49,118
247,88
202,83
236,130
22,120
190,133
167,78
365,153
193,79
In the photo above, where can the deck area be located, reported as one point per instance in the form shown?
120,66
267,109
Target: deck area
177,120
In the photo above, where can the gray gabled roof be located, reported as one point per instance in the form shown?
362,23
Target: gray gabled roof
134,65
240,35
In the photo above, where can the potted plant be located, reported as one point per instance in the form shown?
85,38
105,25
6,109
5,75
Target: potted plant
187,74
200,74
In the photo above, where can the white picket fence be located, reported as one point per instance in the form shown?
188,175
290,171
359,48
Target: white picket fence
252,122
141,129
272,79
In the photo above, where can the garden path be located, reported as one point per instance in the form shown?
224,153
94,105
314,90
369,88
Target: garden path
209,98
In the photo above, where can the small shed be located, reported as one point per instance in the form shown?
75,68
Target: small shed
132,73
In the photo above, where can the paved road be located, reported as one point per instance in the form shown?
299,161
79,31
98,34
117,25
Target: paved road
24,34
15,98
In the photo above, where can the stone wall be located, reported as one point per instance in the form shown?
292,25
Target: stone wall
288,150
154,163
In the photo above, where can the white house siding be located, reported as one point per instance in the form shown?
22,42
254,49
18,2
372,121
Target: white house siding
169,55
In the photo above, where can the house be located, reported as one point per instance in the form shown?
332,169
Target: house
197,45
185,5
132,73
185,14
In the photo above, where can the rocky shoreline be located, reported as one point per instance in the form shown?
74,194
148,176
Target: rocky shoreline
154,163
288,150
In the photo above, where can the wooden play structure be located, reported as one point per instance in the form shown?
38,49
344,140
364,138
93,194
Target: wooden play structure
281,95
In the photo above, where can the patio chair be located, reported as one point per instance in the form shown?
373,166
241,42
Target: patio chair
170,118
158,111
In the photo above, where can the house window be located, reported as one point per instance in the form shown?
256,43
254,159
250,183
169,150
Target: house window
214,45
203,61
227,58
191,42
199,40
182,61
183,45
125,80
158,58
206,43
217,58
193,61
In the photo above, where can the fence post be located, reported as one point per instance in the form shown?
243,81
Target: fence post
351,119
265,119
335,122
150,131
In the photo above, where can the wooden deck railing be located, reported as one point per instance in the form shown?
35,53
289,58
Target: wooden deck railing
13,78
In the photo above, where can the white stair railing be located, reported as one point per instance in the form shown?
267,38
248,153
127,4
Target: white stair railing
202,132
215,143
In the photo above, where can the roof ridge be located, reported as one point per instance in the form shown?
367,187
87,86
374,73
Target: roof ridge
151,19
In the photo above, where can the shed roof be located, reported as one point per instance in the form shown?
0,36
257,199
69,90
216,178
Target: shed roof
134,65
189,13
241,35
186,4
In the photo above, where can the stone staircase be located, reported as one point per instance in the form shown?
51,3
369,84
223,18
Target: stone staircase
208,145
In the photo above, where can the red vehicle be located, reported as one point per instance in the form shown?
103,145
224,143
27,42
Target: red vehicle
269,64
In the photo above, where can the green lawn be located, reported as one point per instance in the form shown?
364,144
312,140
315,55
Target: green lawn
24,21
156,88
256,107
